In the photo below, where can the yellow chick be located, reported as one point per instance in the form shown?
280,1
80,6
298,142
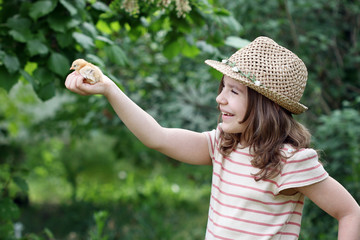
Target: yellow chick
89,71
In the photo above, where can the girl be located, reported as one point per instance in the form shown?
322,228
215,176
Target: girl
262,164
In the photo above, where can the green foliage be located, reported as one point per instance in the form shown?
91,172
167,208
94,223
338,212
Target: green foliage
8,213
338,137
342,157
324,34
51,33
92,158
56,147
100,220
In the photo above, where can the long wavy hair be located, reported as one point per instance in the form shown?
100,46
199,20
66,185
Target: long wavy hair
267,128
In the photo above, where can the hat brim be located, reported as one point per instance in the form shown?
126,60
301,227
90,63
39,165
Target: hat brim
283,101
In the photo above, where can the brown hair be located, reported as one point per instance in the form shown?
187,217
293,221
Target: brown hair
267,128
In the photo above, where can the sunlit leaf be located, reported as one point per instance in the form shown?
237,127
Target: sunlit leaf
190,51
115,26
103,27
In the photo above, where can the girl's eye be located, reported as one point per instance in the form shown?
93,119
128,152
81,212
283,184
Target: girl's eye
234,92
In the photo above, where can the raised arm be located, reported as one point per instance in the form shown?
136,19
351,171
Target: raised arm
183,145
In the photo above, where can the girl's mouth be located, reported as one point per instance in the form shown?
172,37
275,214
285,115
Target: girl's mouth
227,114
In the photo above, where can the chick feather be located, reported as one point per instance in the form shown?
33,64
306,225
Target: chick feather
90,72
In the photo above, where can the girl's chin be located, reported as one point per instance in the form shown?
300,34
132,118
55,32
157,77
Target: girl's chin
231,129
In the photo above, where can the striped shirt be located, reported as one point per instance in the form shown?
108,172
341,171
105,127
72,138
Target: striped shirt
242,208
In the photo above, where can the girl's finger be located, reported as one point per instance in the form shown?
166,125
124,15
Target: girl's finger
73,82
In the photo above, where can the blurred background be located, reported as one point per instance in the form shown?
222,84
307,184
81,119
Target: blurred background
69,169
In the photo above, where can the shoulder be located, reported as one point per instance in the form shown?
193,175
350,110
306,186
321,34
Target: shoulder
300,168
300,160
214,134
213,139
302,155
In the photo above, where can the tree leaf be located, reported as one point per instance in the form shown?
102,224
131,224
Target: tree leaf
42,76
2,56
18,36
20,28
100,6
85,41
18,23
116,55
45,86
172,49
103,27
12,63
8,210
29,78
59,64
47,91
7,80
41,8
104,39
90,29
190,51
70,7
232,23
21,183
36,47
101,42
95,60
64,39
73,23
58,22
236,42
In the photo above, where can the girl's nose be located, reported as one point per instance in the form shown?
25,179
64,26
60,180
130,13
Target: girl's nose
220,99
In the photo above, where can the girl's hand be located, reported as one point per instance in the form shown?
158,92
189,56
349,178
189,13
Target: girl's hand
75,83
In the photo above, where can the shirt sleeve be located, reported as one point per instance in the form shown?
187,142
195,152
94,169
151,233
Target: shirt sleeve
212,138
302,169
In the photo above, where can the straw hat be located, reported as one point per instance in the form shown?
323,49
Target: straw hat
270,69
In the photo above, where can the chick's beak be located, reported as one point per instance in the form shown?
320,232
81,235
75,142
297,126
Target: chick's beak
72,68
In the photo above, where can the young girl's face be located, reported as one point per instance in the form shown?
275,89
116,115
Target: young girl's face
233,101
